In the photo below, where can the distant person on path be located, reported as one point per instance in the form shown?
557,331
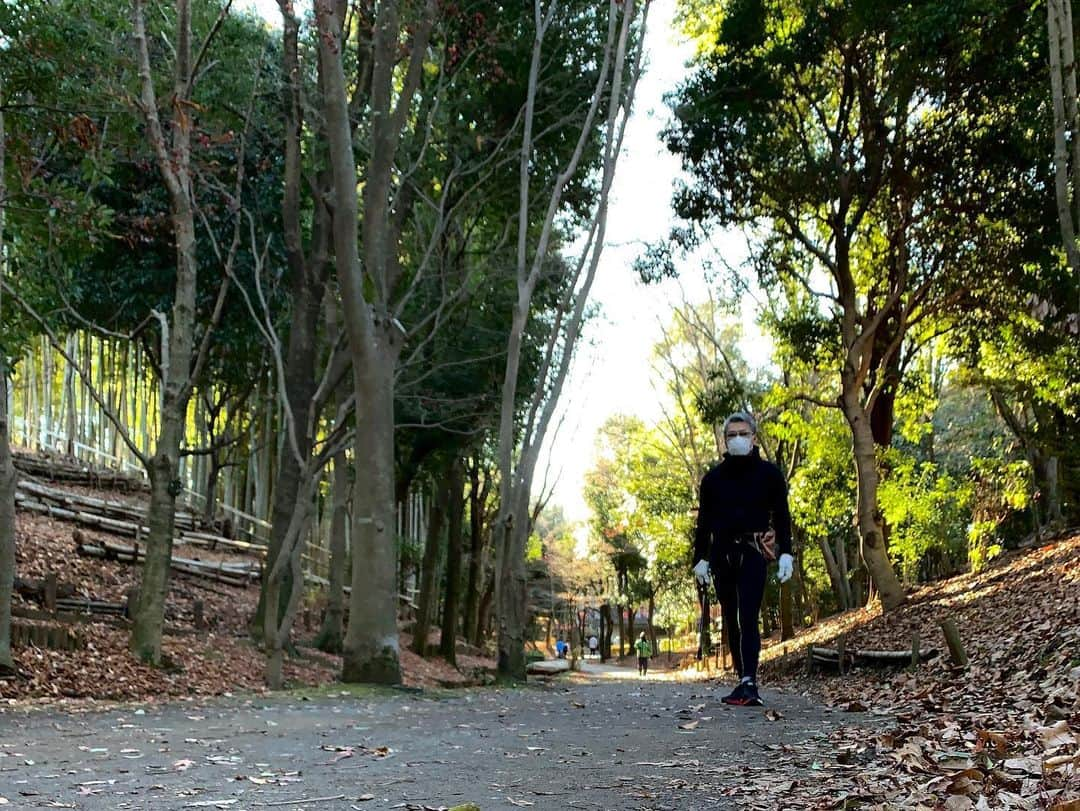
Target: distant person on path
742,518
644,651
594,646
560,648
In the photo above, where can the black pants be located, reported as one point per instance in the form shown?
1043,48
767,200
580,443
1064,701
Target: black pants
739,577
642,665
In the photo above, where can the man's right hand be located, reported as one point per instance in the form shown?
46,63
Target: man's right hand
701,572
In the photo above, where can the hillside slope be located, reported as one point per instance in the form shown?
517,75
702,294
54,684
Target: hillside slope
1004,732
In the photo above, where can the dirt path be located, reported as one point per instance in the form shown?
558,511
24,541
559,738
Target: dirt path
608,743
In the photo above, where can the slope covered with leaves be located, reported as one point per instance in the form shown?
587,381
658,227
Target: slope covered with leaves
218,659
1004,732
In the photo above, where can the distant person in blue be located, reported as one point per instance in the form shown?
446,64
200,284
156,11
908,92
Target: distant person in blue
742,518
560,648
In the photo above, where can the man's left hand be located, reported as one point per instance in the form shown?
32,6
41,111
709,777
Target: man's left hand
785,568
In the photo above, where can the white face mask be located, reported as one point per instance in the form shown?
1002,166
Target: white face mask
740,445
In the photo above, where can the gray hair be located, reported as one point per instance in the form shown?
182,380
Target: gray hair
740,416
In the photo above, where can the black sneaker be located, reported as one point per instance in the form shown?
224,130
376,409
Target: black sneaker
736,696
745,695
750,692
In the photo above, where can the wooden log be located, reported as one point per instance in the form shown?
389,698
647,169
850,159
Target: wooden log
113,517
32,589
66,469
211,541
233,574
841,644
956,646
830,657
868,654
90,606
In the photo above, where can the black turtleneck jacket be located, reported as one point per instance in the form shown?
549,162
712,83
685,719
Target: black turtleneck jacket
740,495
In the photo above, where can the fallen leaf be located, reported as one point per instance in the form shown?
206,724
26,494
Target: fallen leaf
1028,765
1056,735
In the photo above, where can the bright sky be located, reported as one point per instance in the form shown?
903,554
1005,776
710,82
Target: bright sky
612,372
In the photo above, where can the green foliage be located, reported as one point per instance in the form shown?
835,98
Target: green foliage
89,218
928,512
1002,495
534,548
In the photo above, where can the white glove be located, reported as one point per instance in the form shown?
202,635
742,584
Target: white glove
785,568
701,571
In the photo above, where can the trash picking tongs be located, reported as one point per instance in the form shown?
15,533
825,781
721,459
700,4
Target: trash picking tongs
704,641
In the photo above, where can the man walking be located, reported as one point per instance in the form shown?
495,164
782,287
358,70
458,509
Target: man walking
644,651
742,516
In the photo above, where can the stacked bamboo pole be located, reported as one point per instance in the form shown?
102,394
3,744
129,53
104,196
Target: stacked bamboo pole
117,518
231,573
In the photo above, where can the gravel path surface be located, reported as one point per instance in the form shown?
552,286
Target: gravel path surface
608,741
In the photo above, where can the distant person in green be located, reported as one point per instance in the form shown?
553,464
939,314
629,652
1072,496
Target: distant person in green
644,651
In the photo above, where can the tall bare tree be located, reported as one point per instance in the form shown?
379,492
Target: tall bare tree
308,268
1066,126
7,469
375,334
607,112
182,358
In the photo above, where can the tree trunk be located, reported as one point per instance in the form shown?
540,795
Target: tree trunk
429,571
652,630
277,630
1045,468
371,641
511,595
333,627
210,505
483,616
7,468
7,506
872,541
787,624
300,383
516,470
842,565
177,334
69,399
448,640
839,582
476,556
606,630
622,630
1062,80
149,620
